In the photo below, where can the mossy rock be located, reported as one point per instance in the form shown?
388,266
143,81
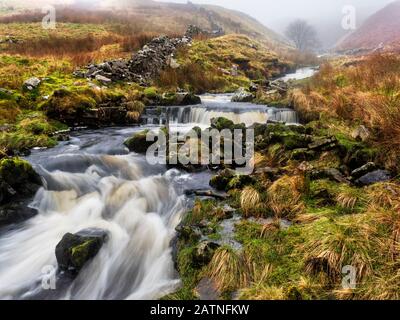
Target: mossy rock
355,154
239,182
65,105
74,251
221,181
222,123
17,180
138,142
290,140
151,93
17,172
303,154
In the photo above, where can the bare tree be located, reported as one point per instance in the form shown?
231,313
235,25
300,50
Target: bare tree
303,35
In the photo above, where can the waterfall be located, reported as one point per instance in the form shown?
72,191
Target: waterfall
139,212
215,106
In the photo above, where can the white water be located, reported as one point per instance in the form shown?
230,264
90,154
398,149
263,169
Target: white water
214,106
300,74
140,211
92,182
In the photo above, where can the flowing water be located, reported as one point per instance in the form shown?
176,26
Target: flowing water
92,181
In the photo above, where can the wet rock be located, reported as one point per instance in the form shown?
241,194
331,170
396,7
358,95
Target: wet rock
204,252
331,173
74,251
271,173
15,212
362,171
32,83
303,154
18,180
104,80
221,181
207,290
222,123
207,193
361,133
242,96
323,144
179,99
138,142
374,177
188,233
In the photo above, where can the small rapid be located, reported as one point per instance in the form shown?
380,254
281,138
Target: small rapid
138,205
93,182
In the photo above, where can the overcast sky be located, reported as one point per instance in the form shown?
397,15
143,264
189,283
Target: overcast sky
326,15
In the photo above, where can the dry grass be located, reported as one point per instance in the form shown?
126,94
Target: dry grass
368,92
227,270
250,200
284,196
337,244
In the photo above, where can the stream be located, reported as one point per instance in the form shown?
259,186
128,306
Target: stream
93,181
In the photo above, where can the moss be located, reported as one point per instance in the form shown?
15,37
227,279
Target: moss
17,172
65,103
222,123
9,111
22,142
138,142
151,93
80,253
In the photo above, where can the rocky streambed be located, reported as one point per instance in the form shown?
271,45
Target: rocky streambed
105,224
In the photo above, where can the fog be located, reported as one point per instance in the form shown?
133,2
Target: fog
325,15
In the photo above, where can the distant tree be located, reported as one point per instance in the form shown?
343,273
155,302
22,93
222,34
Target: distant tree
303,35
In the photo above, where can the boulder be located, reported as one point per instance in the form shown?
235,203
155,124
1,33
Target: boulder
102,79
221,181
242,96
361,133
374,177
74,251
15,212
303,154
187,99
18,180
138,142
323,144
362,171
180,99
222,123
32,83
204,252
330,173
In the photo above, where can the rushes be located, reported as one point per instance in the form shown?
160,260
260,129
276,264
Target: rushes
227,270
284,196
249,200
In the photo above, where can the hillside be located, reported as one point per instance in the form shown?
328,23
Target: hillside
167,17
381,30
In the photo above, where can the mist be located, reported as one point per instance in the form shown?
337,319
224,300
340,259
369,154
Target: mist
325,16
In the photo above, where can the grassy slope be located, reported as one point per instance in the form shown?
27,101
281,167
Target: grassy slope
383,27
55,66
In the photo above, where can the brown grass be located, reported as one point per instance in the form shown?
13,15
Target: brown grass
368,92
